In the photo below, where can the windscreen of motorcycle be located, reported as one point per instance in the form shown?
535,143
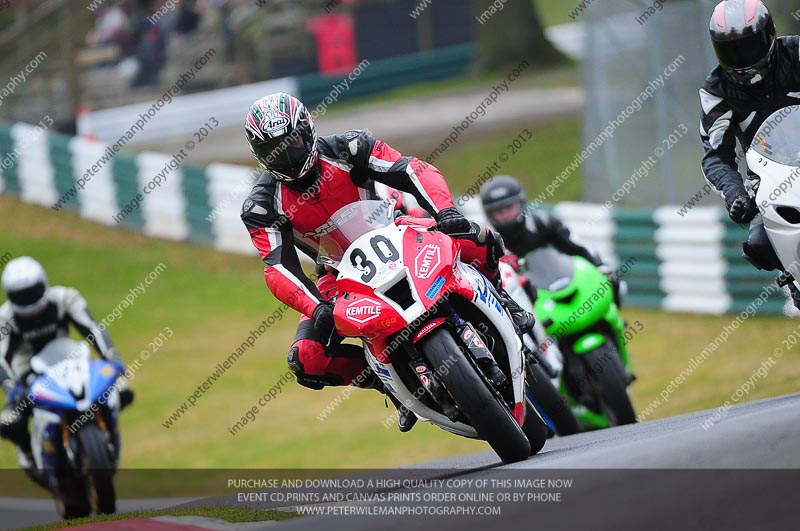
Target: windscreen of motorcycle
777,138
64,364
349,223
549,269
58,353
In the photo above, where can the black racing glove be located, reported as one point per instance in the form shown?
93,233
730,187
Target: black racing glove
612,277
608,272
126,394
741,208
125,397
451,221
323,323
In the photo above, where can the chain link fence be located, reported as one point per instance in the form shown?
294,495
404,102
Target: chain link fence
627,67
630,47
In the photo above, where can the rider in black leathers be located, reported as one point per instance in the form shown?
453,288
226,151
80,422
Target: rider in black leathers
758,74
506,208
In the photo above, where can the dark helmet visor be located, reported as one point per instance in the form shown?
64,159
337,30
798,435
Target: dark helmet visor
506,214
744,52
288,152
27,296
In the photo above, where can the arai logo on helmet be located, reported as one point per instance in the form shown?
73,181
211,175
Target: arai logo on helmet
363,310
270,120
427,260
276,123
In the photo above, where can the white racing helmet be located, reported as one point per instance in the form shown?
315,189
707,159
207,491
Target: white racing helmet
24,282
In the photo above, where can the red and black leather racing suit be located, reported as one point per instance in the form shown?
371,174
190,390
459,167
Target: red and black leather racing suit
280,216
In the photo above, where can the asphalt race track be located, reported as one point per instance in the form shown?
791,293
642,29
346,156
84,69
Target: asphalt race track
742,473
22,512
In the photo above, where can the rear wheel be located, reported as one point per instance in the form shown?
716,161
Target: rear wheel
99,468
605,371
535,428
552,403
486,412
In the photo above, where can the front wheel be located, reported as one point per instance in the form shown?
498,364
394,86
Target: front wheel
70,495
607,376
486,412
98,467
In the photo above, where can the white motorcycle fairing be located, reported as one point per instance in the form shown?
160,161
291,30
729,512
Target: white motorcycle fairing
778,194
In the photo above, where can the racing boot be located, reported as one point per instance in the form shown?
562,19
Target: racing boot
786,279
405,418
523,320
21,438
28,465
492,371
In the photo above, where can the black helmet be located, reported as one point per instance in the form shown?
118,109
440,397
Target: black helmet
282,138
505,204
743,36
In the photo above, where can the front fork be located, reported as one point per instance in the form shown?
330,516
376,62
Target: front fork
430,383
479,351
107,420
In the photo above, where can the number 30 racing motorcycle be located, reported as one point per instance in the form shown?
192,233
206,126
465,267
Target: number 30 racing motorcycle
74,432
432,327
774,155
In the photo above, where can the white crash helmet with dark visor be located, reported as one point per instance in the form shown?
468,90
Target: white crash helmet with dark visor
24,283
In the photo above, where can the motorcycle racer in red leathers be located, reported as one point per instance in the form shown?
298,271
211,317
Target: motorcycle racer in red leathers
305,180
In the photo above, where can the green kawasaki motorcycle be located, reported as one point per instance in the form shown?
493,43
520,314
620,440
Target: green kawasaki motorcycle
575,304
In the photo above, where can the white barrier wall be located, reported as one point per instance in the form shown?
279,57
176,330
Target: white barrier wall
184,115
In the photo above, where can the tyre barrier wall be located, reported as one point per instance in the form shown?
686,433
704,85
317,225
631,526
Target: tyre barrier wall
691,263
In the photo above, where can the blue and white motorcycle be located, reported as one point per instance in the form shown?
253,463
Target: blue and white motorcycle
74,433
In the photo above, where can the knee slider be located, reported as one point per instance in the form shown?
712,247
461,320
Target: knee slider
761,255
311,381
13,428
5,431
296,366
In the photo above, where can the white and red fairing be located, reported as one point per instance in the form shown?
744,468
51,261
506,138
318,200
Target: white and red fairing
427,262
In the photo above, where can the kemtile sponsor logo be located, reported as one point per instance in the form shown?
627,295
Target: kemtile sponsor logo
363,310
427,260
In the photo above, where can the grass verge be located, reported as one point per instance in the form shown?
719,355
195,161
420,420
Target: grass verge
211,301
539,160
